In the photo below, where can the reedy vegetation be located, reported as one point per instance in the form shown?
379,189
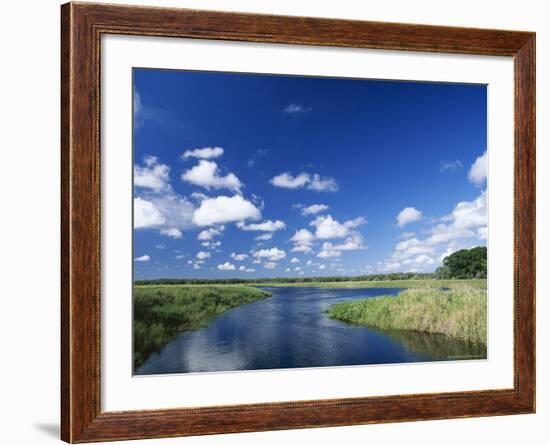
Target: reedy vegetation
162,312
460,312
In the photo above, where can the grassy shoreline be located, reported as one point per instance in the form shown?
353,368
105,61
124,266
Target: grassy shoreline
460,312
161,312
477,283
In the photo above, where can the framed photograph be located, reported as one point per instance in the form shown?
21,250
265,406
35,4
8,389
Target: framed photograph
274,222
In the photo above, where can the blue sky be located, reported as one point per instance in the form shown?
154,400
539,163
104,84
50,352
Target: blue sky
243,175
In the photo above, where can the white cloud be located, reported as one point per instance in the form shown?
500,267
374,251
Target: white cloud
303,236
207,174
464,227
314,209
294,260
405,235
159,206
171,232
286,180
322,266
354,242
152,175
249,270
225,209
239,256
196,266
302,239
203,255
478,171
273,254
270,265
309,263
264,237
226,266
294,109
468,214
142,258
211,244
408,215
146,214
450,166
203,153
312,182
297,269
266,226
209,234
328,252
327,227
390,266
322,184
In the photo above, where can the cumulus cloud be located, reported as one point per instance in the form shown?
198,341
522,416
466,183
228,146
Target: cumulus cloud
408,215
203,153
320,184
266,226
270,265
273,254
239,256
286,180
207,174
152,175
224,209
311,182
226,266
303,240
146,214
293,109
478,171
464,227
158,206
294,260
314,209
211,244
209,234
451,166
354,242
203,255
264,237
142,258
327,227
322,266
171,232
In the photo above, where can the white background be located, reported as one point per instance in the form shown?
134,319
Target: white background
29,244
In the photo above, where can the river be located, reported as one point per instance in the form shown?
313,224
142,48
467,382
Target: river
292,330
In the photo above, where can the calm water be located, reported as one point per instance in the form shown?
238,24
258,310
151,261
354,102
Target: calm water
291,330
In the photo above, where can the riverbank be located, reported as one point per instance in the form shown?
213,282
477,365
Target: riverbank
408,284
351,284
161,312
460,312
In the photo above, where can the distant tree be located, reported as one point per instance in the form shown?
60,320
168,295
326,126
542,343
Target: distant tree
465,264
443,273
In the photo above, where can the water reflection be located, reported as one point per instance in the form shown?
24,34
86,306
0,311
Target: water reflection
292,330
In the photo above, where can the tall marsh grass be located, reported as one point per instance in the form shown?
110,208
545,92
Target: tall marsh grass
460,312
162,312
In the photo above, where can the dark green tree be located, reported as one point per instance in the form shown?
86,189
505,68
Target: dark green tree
465,264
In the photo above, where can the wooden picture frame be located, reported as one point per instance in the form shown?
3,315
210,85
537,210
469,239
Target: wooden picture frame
82,26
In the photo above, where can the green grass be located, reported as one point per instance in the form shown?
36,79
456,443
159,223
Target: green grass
460,313
475,283
162,312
